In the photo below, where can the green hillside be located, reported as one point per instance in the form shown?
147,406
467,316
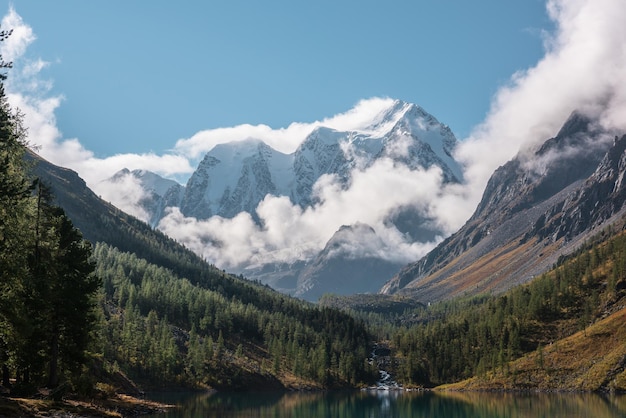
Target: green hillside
227,334
214,329
522,339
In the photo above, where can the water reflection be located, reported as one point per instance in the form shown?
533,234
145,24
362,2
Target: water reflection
397,404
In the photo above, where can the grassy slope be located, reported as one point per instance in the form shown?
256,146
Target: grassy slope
589,360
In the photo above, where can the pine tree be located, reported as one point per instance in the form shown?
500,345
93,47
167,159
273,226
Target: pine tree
14,205
64,287
74,295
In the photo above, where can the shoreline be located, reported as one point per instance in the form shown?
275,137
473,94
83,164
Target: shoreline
122,405
118,406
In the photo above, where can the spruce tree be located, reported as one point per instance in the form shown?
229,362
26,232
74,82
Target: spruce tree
62,288
74,291
14,207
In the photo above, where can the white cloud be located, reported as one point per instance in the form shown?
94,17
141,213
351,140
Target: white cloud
584,69
28,91
285,140
126,192
290,233
22,36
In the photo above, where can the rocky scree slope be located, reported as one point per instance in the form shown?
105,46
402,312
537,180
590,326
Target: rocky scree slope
535,208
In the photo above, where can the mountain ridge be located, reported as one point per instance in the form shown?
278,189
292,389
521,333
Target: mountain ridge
501,244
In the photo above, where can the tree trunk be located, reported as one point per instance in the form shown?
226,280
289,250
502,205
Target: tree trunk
6,381
53,377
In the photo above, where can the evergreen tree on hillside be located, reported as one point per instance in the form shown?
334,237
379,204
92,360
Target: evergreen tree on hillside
56,297
47,281
63,288
14,205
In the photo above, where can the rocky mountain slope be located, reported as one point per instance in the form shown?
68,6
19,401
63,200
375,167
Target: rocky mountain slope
339,271
100,221
535,208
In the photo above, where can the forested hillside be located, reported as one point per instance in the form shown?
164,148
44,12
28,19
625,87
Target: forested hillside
148,277
483,335
228,334
47,286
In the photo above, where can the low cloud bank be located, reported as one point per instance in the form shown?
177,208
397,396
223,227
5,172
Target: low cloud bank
289,233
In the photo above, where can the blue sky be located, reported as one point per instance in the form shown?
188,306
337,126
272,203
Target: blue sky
137,76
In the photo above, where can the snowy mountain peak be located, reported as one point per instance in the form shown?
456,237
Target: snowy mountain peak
236,176
387,119
237,150
151,193
120,174
426,130
148,180
397,113
154,182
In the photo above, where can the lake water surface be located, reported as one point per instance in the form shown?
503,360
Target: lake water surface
399,404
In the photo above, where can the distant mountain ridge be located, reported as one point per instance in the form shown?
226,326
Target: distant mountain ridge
535,208
235,177
336,270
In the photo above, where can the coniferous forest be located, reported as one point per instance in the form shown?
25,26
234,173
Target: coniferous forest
483,335
48,286
231,335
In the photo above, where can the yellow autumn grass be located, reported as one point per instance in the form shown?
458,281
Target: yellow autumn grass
589,360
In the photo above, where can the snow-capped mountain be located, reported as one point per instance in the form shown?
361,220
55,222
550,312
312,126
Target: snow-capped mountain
235,177
157,193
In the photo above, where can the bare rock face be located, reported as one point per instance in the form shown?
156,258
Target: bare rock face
532,210
592,205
